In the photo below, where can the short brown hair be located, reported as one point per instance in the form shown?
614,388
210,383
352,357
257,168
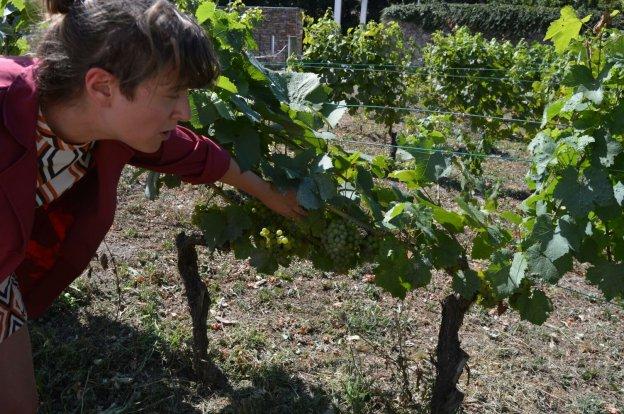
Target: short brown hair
134,40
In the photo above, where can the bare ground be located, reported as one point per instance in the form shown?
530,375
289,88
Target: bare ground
301,341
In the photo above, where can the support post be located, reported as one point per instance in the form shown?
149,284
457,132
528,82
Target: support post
363,11
337,11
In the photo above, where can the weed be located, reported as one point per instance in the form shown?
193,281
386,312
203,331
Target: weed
589,404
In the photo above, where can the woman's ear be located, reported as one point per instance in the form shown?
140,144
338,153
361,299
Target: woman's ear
100,86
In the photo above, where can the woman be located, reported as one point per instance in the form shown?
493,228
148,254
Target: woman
108,88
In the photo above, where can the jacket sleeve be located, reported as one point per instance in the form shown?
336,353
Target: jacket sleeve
193,157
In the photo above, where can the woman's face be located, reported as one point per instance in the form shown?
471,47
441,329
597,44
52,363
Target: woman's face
145,122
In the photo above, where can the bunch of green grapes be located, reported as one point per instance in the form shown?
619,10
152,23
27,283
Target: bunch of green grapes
341,242
276,239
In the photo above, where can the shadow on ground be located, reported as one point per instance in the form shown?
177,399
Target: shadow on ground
95,364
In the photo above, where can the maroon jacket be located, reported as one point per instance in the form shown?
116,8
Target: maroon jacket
48,247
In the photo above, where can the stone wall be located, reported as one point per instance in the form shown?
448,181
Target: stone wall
280,25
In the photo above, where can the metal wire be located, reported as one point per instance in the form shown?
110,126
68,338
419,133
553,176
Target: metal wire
422,70
440,112
424,150
390,65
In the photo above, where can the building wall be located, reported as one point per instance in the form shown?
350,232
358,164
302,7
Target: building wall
280,24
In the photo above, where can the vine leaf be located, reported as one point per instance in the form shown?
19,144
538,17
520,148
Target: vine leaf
466,283
307,195
609,277
533,306
498,274
205,11
564,29
398,274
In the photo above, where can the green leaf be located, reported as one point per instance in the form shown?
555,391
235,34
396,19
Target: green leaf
450,220
264,261
609,277
577,198
326,186
466,283
334,115
518,269
579,75
238,221
394,212
212,222
411,178
481,246
498,275
364,180
300,87
552,110
540,266
576,103
226,84
246,109
511,217
307,195
446,252
607,149
205,11
379,166
476,218
594,95
533,306
564,29
19,4
397,274
247,147
542,147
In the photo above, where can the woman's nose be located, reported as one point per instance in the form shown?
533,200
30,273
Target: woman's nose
182,110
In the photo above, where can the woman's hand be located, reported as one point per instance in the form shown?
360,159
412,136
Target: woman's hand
285,204
282,203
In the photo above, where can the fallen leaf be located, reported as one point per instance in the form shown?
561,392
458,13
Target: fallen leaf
224,321
256,285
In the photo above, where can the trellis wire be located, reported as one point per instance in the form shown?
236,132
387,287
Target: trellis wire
422,70
424,150
437,111
389,65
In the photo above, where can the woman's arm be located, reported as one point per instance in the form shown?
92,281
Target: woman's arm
285,204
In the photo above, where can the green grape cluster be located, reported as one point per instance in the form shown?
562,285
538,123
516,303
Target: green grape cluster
276,240
341,242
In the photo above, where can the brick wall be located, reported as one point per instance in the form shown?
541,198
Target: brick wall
280,23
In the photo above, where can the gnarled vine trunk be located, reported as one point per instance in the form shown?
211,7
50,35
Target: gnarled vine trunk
199,305
450,358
